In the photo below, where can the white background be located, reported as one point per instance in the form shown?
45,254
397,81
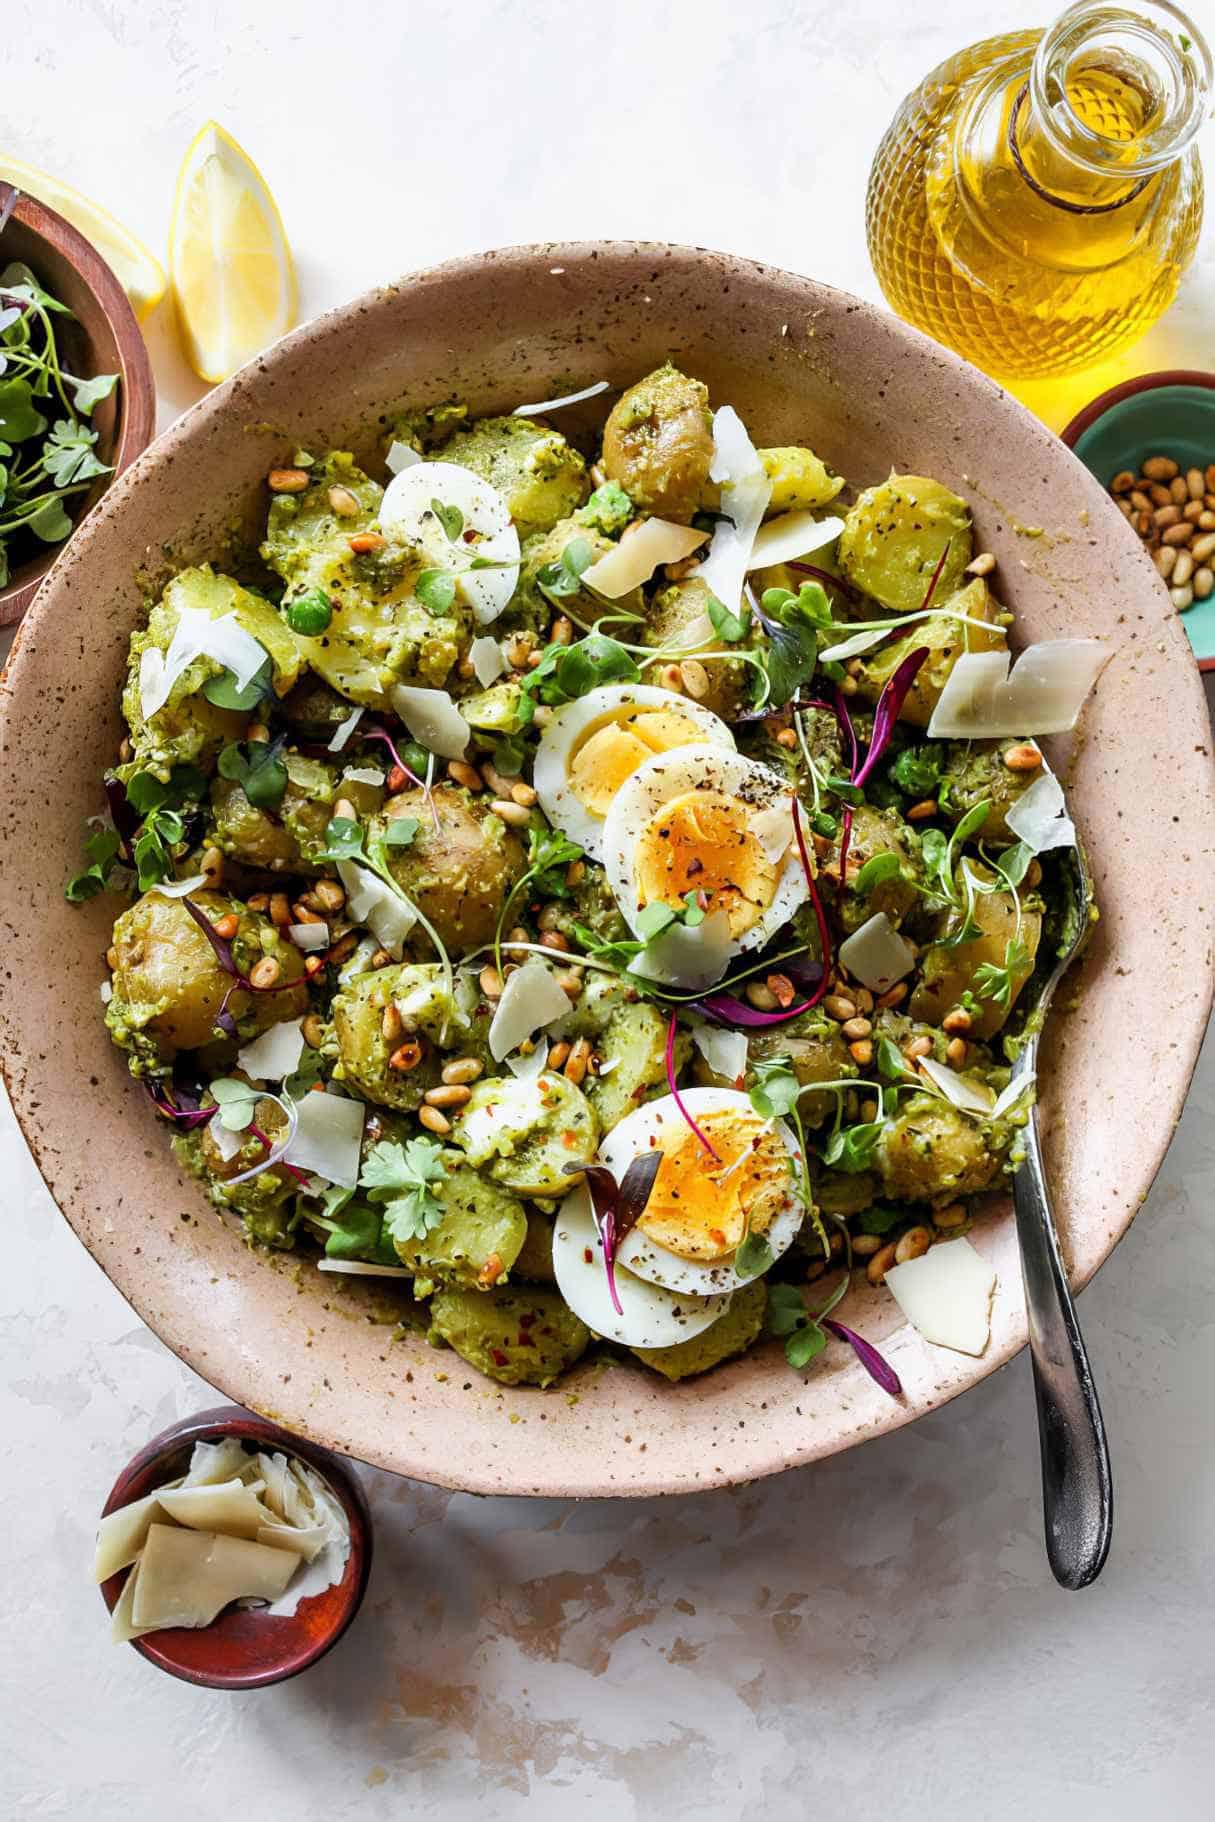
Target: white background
876,1636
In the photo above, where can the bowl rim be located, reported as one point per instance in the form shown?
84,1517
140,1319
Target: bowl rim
142,1475
136,425
1127,389
864,1420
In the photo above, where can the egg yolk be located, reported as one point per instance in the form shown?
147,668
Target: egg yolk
612,752
701,842
701,1209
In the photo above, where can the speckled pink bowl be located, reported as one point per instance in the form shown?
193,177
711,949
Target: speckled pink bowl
801,363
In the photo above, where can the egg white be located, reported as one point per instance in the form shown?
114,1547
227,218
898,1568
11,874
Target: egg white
643,1131
577,719
406,516
653,1317
672,774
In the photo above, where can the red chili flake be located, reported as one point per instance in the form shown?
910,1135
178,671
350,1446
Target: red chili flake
497,1356
588,1255
528,1321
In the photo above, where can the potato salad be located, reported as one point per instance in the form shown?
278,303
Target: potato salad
593,885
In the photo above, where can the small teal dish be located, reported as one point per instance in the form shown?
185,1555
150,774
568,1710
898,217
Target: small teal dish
1170,413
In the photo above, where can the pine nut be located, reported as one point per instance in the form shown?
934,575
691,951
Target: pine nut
313,1029
1195,482
1193,512
343,503
392,1025
125,750
490,983
672,678
1160,468
1166,558
576,1062
303,914
761,997
344,809
953,1216
869,1110
329,895
1140,501
451,1094
212,864
550,916
511,813
786,738
406,1057
1178,534
1168,496
345,945
1183,567
112,958
1204,582
461,773
913,1245
463,1070
864,1000
856,1028
575,873
313,965
266,972
880,1264
839,1008
1206,520
561,632
555,939
1023,758
957,1021
782,987
280,910
380,957
558,1054
1124,507
434,1121
1210,477
286,480
1203,547
1122,482
1143,523
893,996
919,812
523,794
1166,515
226,926
570,982
1033,874
984,563
918,1047
695,678
1182,597
861,1053
865,1245
955,1052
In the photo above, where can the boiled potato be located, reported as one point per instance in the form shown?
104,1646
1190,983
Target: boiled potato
290,840
974,772
535,1260
364,1052
933,1153
947,973
658,444
877,832
800,482
541,477
635,1041
945,641
531,1137
518,1337
266,1203
895,535
730,1335
533,608
816,1053
459,874
478,1240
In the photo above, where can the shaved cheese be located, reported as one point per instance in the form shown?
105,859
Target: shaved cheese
226,1142
687,958
364,774
1043,694
306,1540
946,1295
432,718
231,1507
361,1268
745,492
276,1053
527,1068
858,643
401,456
569,398
181,888
309,936
633,561
122,1624
1008,1097
724,1051
530,1000
215,1461
967,1096
1039,817
197,635
876,954
343,733
699,631
793,535
487,659
370,901
773,830
121,1535
328,1138
187,1577
607,1067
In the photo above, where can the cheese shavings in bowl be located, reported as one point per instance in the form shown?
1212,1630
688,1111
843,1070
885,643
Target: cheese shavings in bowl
255,1528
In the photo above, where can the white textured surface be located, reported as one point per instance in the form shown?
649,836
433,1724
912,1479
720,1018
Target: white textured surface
875,1636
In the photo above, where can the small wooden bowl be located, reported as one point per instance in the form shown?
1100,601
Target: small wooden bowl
246,1648
102,337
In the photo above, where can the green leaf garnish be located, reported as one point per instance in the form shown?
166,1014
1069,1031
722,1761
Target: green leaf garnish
564,578
236,1101
732,627
67,454
752,1256
257,768
994,982
225,693
776,1089
88,394
851,1148
917,771
50,522
881,867
399,831
436,590
102,849
450,518
400,1177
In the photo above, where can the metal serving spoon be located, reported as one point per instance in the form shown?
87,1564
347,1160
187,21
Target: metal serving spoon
1077,1488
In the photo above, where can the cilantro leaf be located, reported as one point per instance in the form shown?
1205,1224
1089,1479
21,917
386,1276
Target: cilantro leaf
400,1177
67,454
102,849
88,394
995,982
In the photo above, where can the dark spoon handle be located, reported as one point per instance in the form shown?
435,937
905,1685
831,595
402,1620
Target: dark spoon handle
1077,1488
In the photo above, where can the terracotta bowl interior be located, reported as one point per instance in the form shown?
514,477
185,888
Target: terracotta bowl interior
801,363
245,1649
102,337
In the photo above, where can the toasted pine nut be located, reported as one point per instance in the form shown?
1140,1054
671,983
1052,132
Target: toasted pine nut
570,982
957,1021
392,1025
837,1007
1195,483
561,632
364,542
864,1000
575,873
1023,758
463,1070
313,1029
856,1028
313,965
984,563
303,914
914,1243
490,983
919,812
1160,468
672,678
1140,501
861,1053
266,972
125,750
1178,534
576,1061
1203,547
893,996
510,813
1166,557
1206,520
212,864
1192,514
286,480
1166,515
407,1056
1204,582
111,958
1161,495
695,678
786,738
460,772
329,895
1183,566
1182,597
550,916
491,1271
226,926
345,945
953,1216
556,939
1122,482
955,1052
880,1264
280,910
433,1120
380,957
762,998
869,1110
918,1047
523,794
865,1245
451,1094
558,1054
782,987
345,809
343,503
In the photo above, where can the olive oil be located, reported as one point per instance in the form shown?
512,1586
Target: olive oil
1035,201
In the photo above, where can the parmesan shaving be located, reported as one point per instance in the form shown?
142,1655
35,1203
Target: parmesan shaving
231,1507
946,1295
362,1268
876,954
633,561
1008,1097
487,659
967,1096
1039,817
197,635
216,1461
106,990
773,830
180,888
309,936
226,1142
401,456
1042,694
724,1051
530,1000
687,958
343,733
121,1535
569,398
745,492
793,535
432,718
527,1068
370,901
186,1578
364,774
328,1138
276,1053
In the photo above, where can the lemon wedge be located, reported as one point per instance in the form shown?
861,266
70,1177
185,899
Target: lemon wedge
141,275
230,266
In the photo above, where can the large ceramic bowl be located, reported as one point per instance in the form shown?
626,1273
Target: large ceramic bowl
801,363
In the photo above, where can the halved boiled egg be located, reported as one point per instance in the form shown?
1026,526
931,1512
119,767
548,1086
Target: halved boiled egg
701,1207
474,524
705,820
591,747
653,1317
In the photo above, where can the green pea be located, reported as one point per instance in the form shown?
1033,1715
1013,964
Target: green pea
310,614
415,757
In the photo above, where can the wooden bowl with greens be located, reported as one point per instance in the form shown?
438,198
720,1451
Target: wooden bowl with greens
77,398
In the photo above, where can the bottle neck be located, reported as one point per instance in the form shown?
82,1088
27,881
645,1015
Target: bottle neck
1114,96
